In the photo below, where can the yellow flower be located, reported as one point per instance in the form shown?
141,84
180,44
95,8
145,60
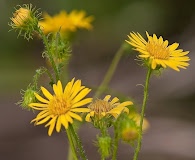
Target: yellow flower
157,53
130,127
79,19
20,16
101,108
64,22
59,109
137,117
59,22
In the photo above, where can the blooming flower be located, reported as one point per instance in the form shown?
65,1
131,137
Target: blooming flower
102,108
59,109
64,22
157,53
79,19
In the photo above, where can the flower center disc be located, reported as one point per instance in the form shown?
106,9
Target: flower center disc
157,50
58,106
100,106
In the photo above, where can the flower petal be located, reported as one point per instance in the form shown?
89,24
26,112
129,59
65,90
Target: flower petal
41,99
46,93
82,102
75,116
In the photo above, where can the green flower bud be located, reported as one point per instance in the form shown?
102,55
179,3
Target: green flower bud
28,97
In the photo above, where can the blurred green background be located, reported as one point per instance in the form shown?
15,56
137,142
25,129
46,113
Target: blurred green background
172,96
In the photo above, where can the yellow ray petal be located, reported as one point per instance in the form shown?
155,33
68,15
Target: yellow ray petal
68,87
88,117
41,99
80,109
114,100
58,124
81,95
107,98
69,119
43,120
124,104
58,88
40,105
64,121
41,116
82,102
75,116
52,125
46,93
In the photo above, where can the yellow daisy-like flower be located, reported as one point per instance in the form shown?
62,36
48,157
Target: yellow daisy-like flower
59,109
59,22
65,22
79,19
101,108
158,53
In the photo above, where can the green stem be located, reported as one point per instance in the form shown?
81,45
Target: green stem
70,155
115,146
110,71
139,143
78,142
72,146
45,41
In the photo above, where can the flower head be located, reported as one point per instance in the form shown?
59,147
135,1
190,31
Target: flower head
59,109
80,20
64,22
106,109
129,126
157,53
25,19
28,97
20,17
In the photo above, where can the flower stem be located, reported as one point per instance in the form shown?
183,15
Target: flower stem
115,145
110,72
78,142
45,41
70,155
72,146
139,142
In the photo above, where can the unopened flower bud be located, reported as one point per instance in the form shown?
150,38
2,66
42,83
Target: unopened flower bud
28,97
25,19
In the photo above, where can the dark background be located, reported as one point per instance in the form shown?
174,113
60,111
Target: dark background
170,108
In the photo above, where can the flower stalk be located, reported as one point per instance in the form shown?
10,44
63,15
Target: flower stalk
46,43
78,143
104,84
145,98
72,146
116,141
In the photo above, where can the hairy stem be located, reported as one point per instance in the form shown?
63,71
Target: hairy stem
139,142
